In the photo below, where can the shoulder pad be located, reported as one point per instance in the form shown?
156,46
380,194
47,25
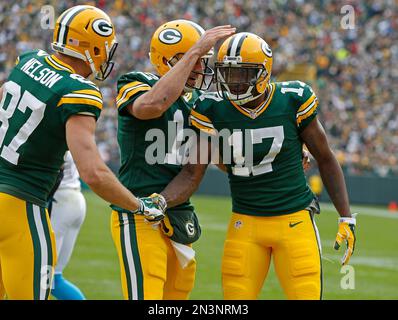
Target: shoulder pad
144,77
82,80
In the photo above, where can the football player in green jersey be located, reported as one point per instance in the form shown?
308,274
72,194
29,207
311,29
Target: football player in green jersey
47,106
148,103
263,126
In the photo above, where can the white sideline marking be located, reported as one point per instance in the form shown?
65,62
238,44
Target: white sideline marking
390,263
214,226
362,210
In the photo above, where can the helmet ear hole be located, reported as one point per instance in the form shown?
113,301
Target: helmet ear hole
164,60
97,51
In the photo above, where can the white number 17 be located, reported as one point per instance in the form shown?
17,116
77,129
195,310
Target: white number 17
241,168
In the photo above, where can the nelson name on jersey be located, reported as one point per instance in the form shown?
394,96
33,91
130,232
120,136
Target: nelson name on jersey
39,72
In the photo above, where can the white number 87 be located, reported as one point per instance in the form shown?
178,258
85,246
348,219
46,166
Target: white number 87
38,107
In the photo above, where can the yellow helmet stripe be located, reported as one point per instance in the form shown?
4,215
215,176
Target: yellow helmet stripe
65,22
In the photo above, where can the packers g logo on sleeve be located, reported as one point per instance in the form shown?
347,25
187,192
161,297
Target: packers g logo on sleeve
102,27
170,36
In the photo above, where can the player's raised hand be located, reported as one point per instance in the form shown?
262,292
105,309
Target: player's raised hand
346,233
150,209
211,36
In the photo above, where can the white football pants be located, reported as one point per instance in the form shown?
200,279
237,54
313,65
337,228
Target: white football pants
67,216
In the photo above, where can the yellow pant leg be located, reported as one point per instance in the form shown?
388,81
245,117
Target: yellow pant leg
297,257
142,251
2,289
179,281
27,249
245,262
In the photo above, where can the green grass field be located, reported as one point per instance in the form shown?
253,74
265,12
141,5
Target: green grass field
94,265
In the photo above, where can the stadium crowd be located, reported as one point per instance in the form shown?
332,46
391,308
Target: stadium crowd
355,69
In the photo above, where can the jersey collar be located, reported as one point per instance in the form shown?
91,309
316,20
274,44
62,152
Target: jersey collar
254,113
58,64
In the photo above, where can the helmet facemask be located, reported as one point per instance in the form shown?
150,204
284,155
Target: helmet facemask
238,81
203,79
106,67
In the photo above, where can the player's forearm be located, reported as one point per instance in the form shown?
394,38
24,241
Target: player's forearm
181,188
105,184
166,91
333,179
314,137
92,169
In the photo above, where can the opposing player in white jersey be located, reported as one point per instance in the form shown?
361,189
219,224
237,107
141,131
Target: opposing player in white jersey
67,216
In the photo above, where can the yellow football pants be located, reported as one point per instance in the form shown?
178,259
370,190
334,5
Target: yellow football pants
293,243
27,250
148,264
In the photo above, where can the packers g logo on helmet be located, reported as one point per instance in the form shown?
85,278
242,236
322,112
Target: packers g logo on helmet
170,36
171,41
102,27
266,49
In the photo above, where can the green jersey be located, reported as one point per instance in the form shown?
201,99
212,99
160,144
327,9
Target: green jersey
144,169
39,96
265,170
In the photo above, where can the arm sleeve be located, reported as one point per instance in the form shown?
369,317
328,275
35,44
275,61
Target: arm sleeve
129,89
307,108
86,102
200,117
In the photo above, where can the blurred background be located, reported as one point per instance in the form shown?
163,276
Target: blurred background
354,72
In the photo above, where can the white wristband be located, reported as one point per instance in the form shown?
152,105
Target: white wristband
351,220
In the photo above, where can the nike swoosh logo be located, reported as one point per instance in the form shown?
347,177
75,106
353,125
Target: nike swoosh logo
291,225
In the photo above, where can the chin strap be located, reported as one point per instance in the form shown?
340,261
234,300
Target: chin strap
91,63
